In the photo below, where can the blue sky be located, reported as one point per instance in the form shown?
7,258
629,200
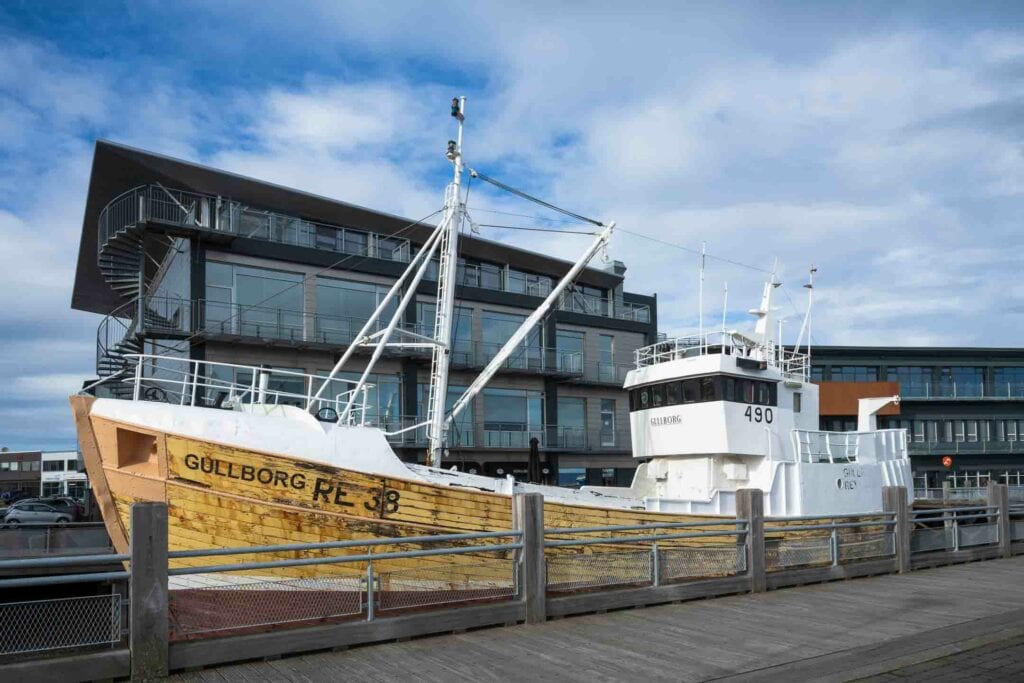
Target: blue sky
881,142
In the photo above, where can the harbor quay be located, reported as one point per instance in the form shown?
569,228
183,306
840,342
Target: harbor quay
857,596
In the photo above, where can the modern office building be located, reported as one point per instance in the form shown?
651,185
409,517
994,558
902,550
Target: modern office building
63,475
187,260
963,408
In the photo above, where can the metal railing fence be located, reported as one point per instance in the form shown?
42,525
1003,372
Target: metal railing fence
70,623
206,598
954,528
621,560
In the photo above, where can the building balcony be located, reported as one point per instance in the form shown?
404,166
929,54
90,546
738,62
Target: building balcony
512,436
939,448
172,318
190,211
962,391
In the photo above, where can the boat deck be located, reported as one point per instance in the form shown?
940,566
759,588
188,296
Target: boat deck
836,631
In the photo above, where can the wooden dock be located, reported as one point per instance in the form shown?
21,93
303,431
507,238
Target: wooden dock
836,631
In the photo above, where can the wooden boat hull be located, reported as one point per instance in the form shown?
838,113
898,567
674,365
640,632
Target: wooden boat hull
219,496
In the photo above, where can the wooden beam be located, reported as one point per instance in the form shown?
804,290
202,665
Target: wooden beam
148,591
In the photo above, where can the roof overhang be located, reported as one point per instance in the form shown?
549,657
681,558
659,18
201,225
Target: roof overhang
117,168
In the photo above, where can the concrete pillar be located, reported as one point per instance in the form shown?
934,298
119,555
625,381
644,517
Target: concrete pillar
999,497
750,506
148,591
894,501
528,517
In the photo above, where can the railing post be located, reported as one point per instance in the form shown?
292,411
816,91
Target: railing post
750,506
894,501
148,635
528,517
655,565
999,498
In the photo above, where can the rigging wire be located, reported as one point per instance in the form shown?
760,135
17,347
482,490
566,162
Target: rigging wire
525,215
531,198
694,251
516,227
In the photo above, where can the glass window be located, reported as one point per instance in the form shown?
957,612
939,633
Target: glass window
495,330
72,465
606,358
608,421
53,466
817,373
796,401
914,380
344,306
658,394
673,393
729,388
573,477
572,421
854,373
569,346
52,488
691,391
961,381
462,432
959,426
257,302
1008,382
512,416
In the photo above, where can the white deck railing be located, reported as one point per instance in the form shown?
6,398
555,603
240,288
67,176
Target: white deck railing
792,365
842,447
185,381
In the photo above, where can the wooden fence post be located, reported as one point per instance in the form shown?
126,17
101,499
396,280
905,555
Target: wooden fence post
999,497
528,517
894,500
750,506
148,637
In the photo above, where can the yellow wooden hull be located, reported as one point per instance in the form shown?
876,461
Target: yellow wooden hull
219,496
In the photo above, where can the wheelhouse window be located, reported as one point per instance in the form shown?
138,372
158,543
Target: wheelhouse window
704,390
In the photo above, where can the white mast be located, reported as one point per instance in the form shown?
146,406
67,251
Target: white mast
445,305
763,328
806,326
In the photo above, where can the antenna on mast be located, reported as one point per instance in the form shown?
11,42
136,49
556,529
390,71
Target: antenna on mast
725,306
700,299
807,315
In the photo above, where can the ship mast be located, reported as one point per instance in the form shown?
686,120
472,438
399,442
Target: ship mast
454,211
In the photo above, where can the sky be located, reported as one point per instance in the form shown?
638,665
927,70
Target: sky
879,141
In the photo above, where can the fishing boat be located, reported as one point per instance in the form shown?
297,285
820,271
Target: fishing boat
239,464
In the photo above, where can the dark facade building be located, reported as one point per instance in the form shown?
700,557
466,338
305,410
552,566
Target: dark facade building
963,408
194,262
20,472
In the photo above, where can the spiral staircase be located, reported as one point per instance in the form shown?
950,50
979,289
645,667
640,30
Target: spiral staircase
123,264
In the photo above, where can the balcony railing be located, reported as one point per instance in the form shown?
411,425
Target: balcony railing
154,203
965,447
189,209
962,391
511,436
178,317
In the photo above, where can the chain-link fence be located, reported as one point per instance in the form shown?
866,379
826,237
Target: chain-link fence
705,561
59,624
572,571
866,546
795,552
208,603
429,585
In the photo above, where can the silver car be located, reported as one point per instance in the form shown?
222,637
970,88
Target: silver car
34,512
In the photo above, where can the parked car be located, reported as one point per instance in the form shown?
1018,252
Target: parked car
63,503
34,512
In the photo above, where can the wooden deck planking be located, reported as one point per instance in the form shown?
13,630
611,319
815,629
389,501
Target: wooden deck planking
690,641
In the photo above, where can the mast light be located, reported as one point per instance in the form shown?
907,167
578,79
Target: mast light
451,150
